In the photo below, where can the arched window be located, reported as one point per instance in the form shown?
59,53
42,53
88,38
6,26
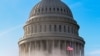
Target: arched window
61,9
38,10
42,9
53,9
64,10
64,28
68,29
45,9
49,27
59,28
57,9
49,9
55,28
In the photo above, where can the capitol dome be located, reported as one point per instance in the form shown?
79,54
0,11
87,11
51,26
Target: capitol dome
51,7
49,29
51,18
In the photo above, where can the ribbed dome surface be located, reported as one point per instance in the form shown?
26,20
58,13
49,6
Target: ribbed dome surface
51,7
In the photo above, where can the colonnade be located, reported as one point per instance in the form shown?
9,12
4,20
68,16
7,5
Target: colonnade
49,28
46,47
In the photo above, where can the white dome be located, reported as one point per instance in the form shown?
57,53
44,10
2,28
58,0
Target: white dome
51,27
51,7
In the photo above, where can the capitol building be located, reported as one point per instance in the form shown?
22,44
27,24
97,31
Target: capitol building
51,30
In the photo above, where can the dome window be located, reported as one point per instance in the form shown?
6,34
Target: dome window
49,9
38,10
61,9
57,9
53,9
45,9
59,28
64,28
64,10
42,9
55,28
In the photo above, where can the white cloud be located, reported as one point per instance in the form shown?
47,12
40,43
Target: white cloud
6,31
9,52
93,53
12,49
96,52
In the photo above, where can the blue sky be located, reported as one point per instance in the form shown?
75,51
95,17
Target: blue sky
14,13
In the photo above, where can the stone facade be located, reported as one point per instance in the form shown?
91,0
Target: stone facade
49,30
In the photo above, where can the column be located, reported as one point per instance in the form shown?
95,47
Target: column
32,49
71,45
44,28
22,50
47,45
81,48
41,45
70,52
78,49
26,30
33,28
75,49
59,44
52,27
26,49
53,46
59,47
62,28
47,25
30,29
35,47
66,29
65,48
19,50
29,49
57,27
24,54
